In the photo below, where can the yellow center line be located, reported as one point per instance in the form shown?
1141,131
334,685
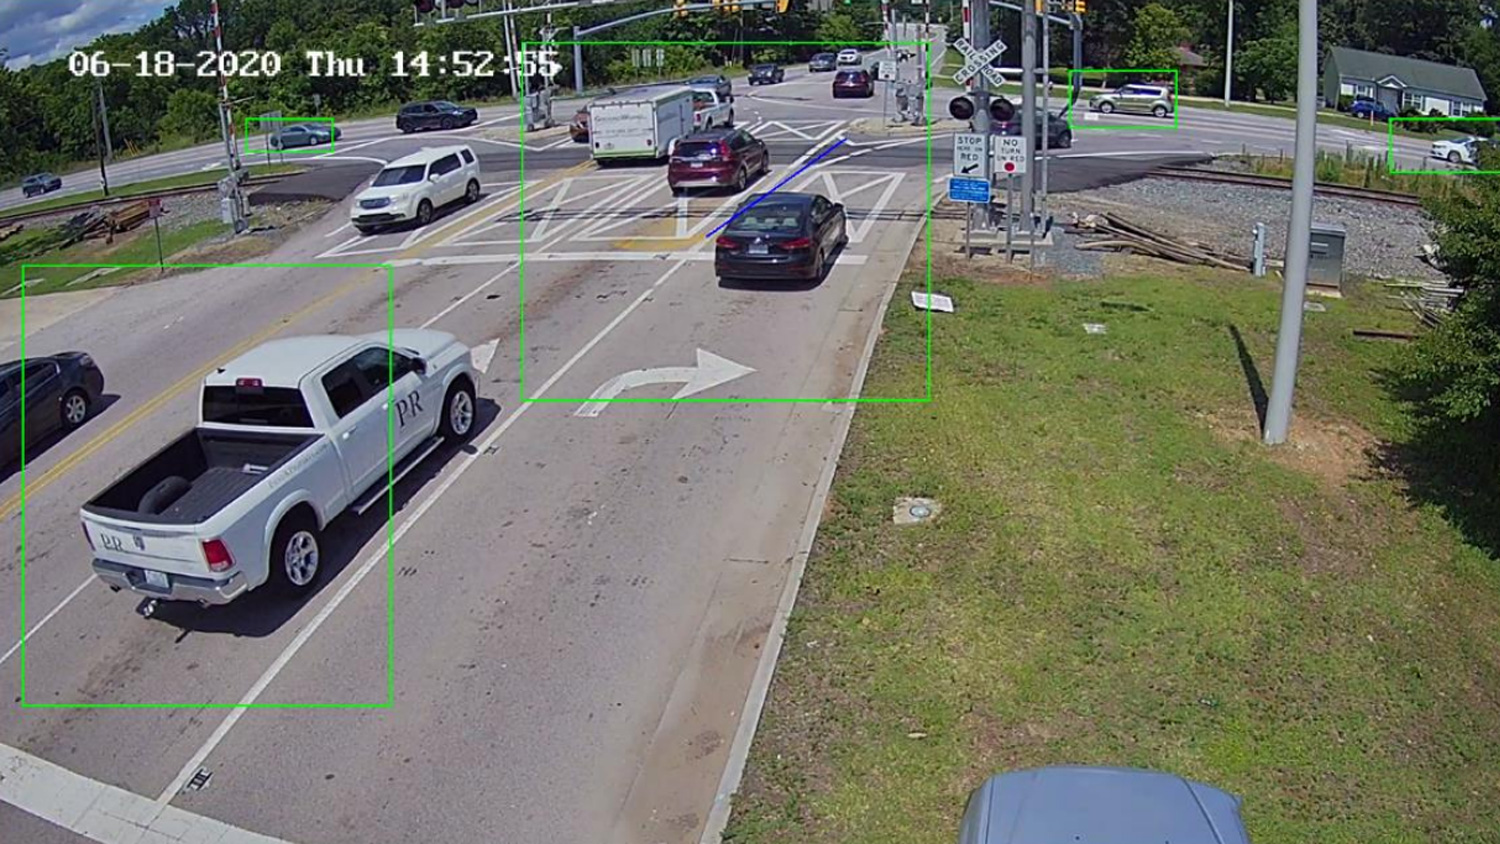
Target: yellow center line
52,475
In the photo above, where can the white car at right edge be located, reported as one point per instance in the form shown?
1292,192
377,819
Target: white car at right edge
1460,150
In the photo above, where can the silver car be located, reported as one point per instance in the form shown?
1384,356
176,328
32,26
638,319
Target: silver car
1155,100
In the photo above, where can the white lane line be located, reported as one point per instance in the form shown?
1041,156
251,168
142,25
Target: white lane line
381,161
457,303
563,142
46,618
375,558
344,227
103,812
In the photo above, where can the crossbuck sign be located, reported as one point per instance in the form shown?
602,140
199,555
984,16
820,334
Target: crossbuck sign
978,62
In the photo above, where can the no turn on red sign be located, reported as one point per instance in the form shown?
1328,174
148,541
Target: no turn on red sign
1011,157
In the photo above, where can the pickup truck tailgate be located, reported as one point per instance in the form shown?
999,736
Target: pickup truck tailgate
164,549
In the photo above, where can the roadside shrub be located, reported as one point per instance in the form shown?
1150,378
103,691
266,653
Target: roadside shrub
1345,101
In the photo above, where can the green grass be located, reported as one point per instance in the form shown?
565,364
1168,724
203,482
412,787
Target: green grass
138,247
1122,574
1357,169
124,191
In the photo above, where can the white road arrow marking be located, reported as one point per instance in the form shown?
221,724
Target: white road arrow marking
710,372
481,356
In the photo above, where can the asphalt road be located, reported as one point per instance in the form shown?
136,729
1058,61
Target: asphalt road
371,142
577,601
559,644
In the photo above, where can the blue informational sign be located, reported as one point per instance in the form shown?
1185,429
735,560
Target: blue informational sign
969,190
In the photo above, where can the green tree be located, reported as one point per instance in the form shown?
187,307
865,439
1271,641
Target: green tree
191,114
1269,65
838,30
1454,371
1157,32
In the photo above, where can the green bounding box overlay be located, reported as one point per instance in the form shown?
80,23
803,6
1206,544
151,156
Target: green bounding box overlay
314,149
1091,121
1390,147
390,527
926,229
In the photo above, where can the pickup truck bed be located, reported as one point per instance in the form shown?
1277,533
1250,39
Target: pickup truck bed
216,466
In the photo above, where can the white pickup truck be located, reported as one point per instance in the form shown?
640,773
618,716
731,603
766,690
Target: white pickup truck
710,110
290,435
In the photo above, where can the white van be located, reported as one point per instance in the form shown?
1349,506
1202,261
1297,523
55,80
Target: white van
412,188
643,123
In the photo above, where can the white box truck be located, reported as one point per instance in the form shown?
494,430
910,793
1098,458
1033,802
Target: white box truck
643,123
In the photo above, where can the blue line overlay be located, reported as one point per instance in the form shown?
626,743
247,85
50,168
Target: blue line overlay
799,172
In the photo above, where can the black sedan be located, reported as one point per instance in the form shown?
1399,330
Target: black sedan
437,114
766,74
304,135
823,63
781,236
61,391
40,183
1059,136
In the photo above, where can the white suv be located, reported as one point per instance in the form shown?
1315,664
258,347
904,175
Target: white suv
411,188
849,56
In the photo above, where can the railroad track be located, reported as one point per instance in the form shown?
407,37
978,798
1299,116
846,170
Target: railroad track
164,193
1225,178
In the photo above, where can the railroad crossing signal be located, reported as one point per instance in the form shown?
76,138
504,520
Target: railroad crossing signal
782,6
1078,7
979,62
681,6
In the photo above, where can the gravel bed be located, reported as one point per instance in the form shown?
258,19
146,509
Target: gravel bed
1384,241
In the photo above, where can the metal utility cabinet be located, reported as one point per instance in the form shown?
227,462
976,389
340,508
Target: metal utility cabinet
1325,263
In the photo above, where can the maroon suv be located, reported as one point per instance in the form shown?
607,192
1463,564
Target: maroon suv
853,83
717,158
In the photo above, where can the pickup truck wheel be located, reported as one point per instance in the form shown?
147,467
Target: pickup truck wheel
471,192
295,556
458,412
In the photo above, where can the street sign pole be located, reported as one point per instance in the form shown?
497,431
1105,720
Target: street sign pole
1046,105
1028,100
1010,196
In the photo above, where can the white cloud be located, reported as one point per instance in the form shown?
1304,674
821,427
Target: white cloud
36,31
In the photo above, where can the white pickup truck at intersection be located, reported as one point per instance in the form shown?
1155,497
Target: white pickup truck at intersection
290,435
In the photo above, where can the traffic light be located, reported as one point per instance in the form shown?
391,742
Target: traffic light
1001,109
681,6
961,108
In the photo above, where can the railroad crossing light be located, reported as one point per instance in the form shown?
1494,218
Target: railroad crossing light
961,108
681,6
424,6
734,6
1001,109
782,6
1078,6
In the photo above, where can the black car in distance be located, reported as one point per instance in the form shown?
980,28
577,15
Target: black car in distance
766,74
781,236
40,183
437,114
1059,134
61,391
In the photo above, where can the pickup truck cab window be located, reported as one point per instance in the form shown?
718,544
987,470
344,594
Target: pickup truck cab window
376,365
274,407
345,392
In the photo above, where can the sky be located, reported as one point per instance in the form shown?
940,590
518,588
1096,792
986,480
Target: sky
35,31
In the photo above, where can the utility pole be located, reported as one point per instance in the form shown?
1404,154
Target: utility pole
1028,103
1046,102
1077,86
977,12
1229,55
231,184
1299,229
101,120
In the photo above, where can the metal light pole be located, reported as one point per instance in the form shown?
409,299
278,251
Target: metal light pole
1299,229
1229,54
101,119
1046,106
1028,103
